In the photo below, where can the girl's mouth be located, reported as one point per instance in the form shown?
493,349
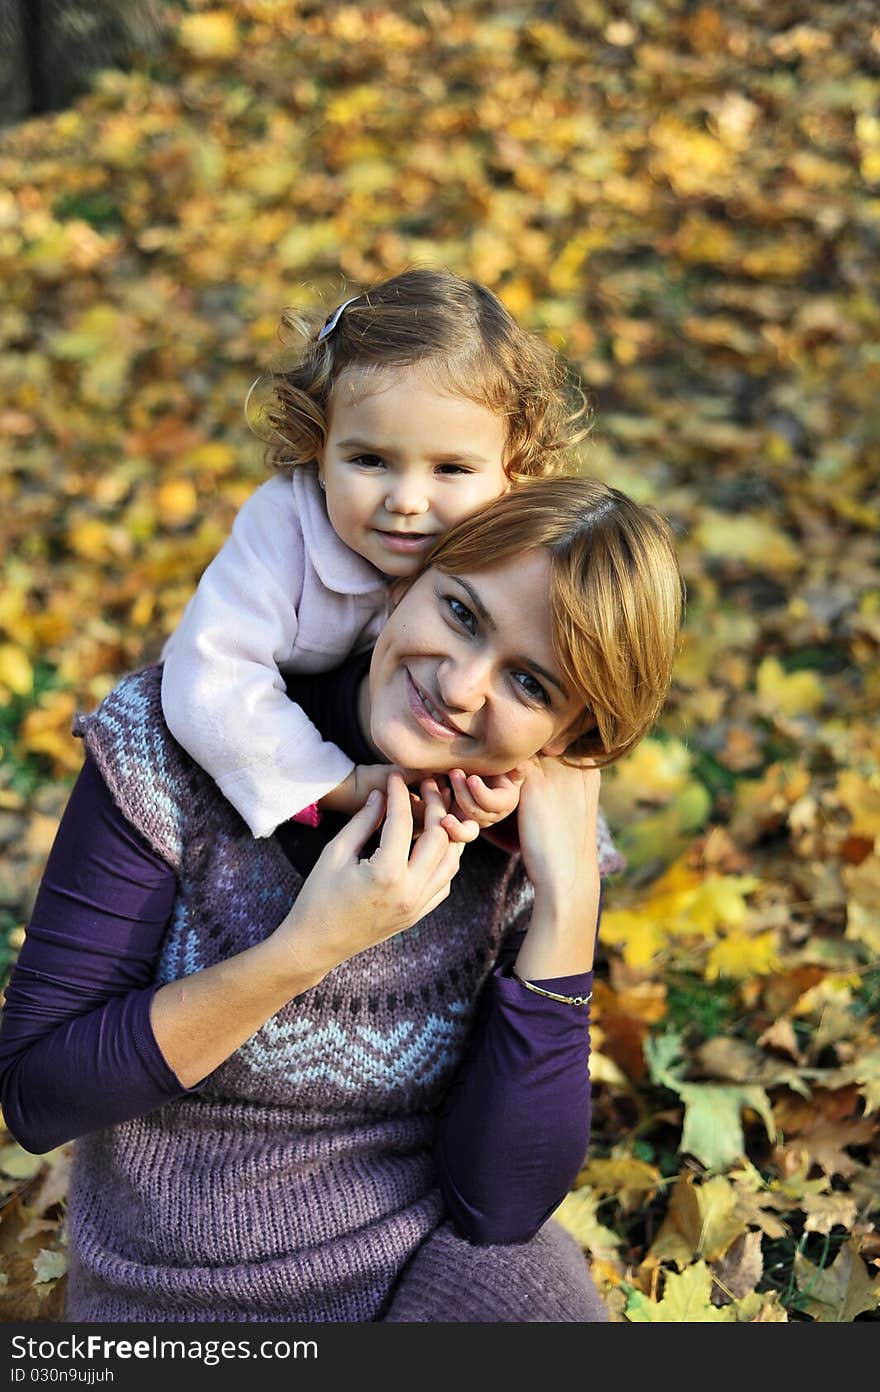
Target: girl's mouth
405,542
428,716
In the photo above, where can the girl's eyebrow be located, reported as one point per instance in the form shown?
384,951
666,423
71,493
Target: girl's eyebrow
489,622
443,456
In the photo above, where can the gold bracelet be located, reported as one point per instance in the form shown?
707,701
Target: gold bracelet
552,995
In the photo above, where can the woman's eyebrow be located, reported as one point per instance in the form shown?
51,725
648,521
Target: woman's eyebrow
489,622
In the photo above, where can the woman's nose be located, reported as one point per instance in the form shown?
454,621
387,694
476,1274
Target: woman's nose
464,685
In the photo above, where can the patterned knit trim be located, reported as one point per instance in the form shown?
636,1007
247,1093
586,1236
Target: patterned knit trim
126,734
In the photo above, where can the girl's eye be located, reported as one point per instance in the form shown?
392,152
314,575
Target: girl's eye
461,613
531,687
368,461
453,469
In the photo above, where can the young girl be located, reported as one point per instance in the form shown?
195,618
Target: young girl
417,403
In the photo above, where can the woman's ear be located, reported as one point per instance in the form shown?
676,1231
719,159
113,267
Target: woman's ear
556,747
566,738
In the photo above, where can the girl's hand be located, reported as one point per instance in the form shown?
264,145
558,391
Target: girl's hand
351,794
481,802
347,905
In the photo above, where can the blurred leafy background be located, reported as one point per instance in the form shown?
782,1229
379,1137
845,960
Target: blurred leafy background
685,199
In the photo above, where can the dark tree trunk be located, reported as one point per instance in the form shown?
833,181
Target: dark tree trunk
50,50
34,54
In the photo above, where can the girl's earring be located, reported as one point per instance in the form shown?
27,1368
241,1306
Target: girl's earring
323,484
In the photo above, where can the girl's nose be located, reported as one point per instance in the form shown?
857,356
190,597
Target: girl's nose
464,684
406,496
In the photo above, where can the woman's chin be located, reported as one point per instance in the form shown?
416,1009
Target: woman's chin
399,746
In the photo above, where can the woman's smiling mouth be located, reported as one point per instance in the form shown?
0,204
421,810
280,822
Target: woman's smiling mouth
431,719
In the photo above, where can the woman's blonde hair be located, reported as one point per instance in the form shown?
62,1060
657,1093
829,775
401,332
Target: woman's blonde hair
616,598
462,335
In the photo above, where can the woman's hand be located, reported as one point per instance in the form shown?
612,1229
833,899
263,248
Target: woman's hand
347,904
557,823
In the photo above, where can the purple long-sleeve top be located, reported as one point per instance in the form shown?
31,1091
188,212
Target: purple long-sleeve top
78,1052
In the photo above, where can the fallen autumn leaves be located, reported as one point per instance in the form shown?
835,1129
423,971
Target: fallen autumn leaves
687,202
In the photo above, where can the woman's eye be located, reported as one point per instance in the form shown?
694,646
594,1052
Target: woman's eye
531,687
461,613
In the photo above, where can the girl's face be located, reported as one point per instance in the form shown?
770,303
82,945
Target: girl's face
404,461
463,674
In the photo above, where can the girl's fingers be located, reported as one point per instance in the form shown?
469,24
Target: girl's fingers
434,805
466,803
491,799
460,831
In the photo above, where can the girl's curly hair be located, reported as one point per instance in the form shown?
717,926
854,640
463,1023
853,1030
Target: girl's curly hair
459,332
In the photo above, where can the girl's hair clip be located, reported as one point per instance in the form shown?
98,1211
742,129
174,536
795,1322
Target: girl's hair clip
330,324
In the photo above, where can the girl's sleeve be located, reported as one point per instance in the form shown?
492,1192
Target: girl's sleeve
223,695
514,1127
77,1050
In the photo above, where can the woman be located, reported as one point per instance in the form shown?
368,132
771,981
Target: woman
323,1082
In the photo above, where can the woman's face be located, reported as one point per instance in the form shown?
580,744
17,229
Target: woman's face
464,676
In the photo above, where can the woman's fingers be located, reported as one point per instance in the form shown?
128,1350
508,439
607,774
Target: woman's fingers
397,832
444,872
359,827
434,840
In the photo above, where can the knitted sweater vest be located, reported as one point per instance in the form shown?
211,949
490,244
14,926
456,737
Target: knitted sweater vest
298,1180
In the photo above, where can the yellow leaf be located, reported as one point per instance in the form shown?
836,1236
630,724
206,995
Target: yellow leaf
211,34
46,730
605,1070
740,955
834,989
752,539
783,256
693,161
702,239
837,1293
353,104
630,1179
90,538
577,1214
639,937
788,693
863,902
701,1220
16,672
655,772
177,501
861,798
686,1300
119,141
719,901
